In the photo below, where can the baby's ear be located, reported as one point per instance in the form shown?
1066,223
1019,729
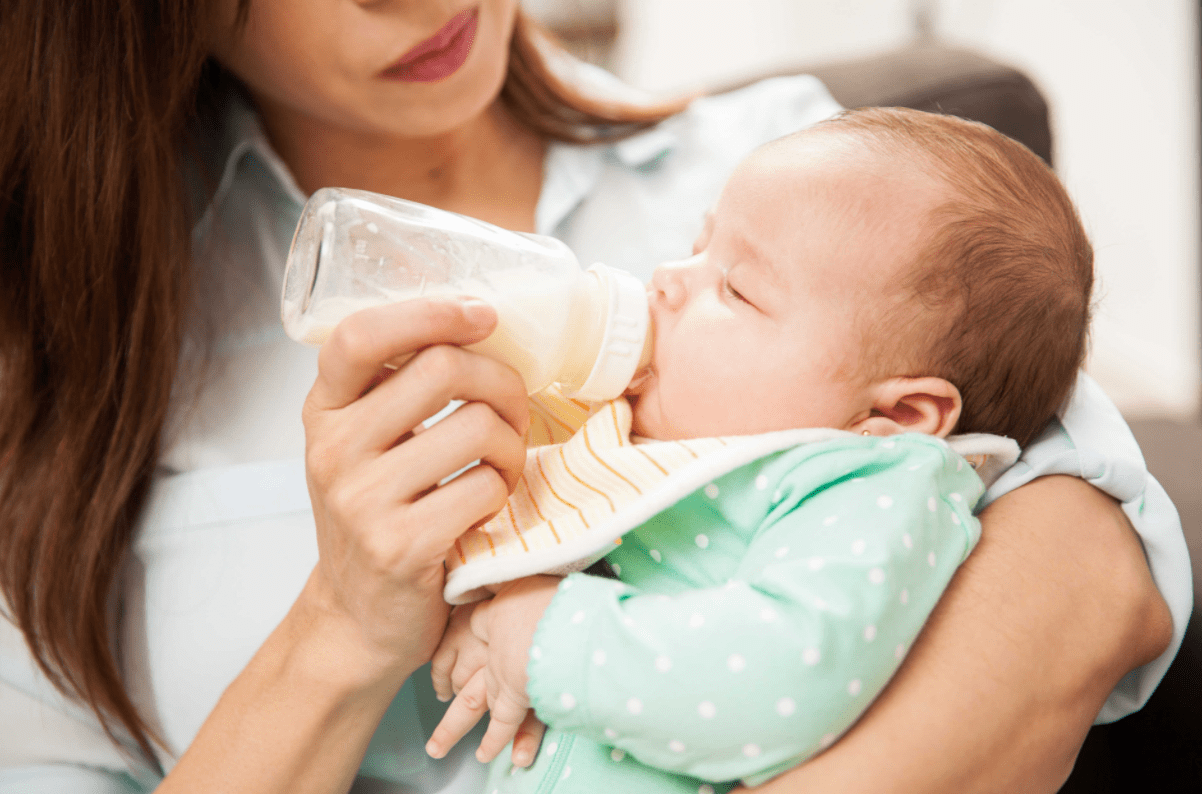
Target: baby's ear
912,405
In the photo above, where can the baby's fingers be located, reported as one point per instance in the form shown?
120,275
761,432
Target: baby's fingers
441,665
461,716
528,739
504,720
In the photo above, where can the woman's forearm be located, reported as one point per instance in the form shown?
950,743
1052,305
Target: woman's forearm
300,715
1051,610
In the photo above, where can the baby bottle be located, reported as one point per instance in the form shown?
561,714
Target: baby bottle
586,330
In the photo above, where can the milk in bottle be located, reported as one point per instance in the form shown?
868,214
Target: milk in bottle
586,330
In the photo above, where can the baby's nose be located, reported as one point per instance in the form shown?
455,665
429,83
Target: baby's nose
669,283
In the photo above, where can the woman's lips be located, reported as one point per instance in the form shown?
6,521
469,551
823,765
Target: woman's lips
439,56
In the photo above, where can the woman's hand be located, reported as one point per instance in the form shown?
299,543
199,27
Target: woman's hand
505,626
300,715
384,523
1054,606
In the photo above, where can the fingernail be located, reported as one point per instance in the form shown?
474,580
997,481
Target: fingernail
521,758
432,749
443,698
476,311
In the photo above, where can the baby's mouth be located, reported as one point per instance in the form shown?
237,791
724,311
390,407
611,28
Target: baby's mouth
639,380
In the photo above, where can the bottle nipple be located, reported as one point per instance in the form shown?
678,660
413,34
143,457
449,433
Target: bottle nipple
625,344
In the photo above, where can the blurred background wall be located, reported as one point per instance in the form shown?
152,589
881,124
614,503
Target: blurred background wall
1121,77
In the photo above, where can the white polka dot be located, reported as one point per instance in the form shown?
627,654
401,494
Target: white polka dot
829,520
959,464
761,483
552,747
566,583
820,603
663,664
915,467
702,541
578,617
705,788
907,541
655,555
858,546
811,656
884,501
876,576
776,495
781,552
706,709
955,519
617,569
931,504
826,741
634,706
767,614
869,633
816,563
536,652
628,622
751,750
931,559
617,754
676,746
598,656
955,497
853,687
371,227
711,491
567,701
567,773
785,706
736,662
513,770
696,620
610,733
899,651
904,596
889,444
857,479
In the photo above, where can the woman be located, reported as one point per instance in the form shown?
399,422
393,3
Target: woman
157,542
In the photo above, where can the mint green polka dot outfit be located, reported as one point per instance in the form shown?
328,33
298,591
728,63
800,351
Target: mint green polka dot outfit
753,622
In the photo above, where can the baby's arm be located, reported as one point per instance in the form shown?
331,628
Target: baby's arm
747,679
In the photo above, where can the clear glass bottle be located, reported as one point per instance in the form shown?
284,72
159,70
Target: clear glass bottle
589,330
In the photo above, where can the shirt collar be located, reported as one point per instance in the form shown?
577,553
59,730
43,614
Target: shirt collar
239,135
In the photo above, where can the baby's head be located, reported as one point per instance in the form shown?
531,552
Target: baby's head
886,271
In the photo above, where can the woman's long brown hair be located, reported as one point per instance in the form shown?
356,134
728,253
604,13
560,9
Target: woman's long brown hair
98,97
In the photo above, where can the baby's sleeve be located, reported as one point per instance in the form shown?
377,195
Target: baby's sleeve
746,679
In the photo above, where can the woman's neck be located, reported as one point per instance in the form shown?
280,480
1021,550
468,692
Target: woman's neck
490,168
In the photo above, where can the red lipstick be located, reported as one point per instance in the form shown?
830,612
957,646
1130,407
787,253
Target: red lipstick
439,56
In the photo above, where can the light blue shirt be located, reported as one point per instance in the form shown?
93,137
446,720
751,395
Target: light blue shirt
228,539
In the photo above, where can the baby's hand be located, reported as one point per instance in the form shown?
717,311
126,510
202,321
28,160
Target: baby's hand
459,655
504,626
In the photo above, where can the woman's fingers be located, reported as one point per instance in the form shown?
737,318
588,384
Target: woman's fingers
424,386
363,343
473,432
449,510
461,716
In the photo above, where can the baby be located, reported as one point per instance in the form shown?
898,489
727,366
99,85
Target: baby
787,513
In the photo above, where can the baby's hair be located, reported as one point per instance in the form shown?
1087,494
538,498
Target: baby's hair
1005,273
